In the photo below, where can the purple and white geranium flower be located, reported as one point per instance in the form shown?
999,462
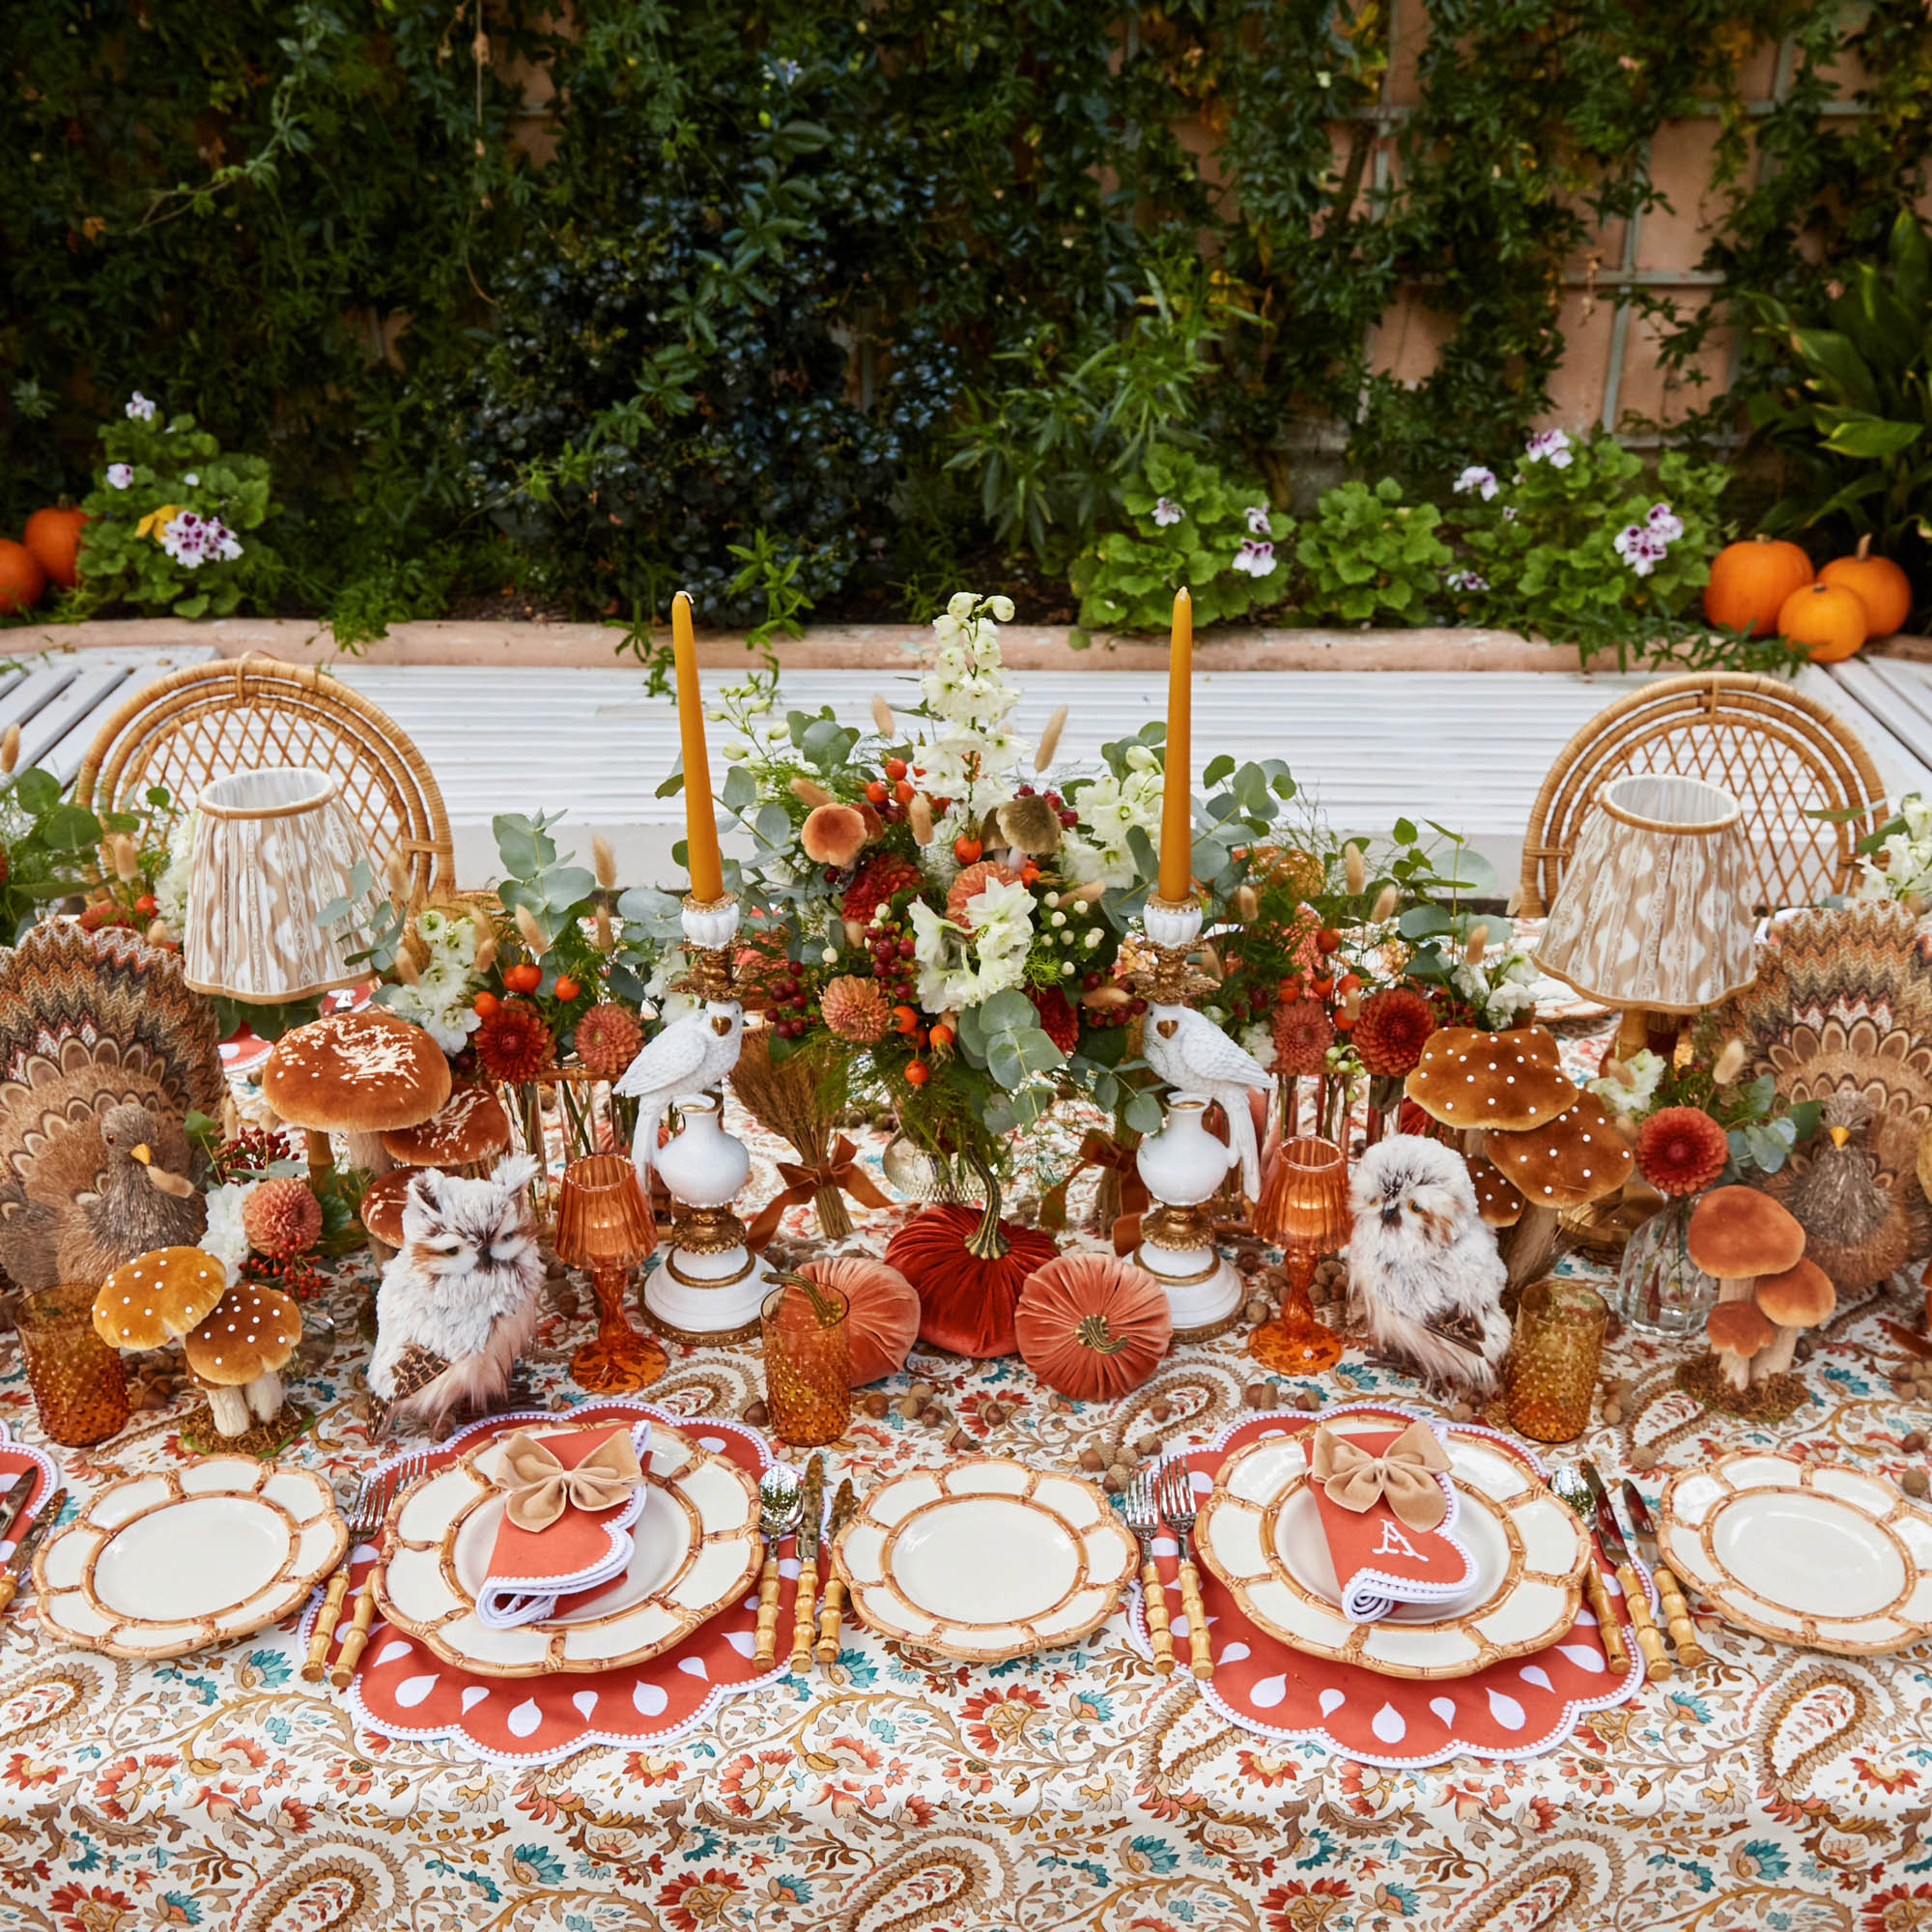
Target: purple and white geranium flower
1550,446
1641,547
1255,559
140,408
1480,479
1466,580
1665,522
1167,511
193,540
120,475
1258,521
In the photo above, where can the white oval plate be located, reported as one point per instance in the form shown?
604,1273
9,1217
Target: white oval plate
1804,1553
985,1560
695,1548
158,1565
1261,1534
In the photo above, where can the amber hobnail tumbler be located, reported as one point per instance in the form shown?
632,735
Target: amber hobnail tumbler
808,1345
79,1389
1550,1379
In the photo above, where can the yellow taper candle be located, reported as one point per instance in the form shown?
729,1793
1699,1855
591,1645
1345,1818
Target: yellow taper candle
1177,808
700,815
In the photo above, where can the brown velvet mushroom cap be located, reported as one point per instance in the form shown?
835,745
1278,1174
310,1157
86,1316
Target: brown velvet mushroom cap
164,1293
469,1125
356,1073
1576,1157
1499,1199
1738,1328
381,1209
253,1330
1736,1233
1509,1082
1801,1296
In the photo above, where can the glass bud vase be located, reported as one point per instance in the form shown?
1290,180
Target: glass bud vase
1661,1291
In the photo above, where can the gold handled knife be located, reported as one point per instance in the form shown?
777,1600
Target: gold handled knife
1649,1638
1669,1592
805,1609
843,1505
23,1550
13,1501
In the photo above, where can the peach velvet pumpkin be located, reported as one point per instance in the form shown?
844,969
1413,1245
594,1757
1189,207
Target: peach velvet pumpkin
882,1311
1826,622
1092,1327
1885,590
1749,583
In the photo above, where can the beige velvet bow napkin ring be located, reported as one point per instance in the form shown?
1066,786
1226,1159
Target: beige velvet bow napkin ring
538,1487
1404,1475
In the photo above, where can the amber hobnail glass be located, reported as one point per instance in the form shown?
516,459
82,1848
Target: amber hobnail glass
1306,1204
604,1225
76,1379
1550,1379
808,1345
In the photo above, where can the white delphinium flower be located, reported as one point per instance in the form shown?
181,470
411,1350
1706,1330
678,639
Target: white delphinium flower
171,888
1110,808
973,754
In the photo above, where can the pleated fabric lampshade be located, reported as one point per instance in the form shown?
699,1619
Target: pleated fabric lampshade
1655,912
271,850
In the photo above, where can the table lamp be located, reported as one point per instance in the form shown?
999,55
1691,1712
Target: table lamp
1304,1209
604,1225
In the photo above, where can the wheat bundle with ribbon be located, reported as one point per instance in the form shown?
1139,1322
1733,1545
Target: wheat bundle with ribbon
798,1098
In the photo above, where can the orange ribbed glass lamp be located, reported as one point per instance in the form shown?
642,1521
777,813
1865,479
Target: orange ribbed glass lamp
1304,1207
604,1224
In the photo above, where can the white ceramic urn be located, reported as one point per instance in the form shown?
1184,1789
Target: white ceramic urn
705,1293
1183,1166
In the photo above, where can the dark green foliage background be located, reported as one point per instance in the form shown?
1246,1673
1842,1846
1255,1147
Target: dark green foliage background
610,369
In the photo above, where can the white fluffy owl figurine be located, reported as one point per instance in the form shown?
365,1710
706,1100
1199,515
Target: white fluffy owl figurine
1194,1056
1423,1267
460,1299
690,1054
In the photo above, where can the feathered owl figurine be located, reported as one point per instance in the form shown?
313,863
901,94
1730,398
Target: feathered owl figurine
1194,1056
459,1299
692,1053
1423,1267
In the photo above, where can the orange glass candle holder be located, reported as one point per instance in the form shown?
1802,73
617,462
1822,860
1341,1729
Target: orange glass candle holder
1550,1379
604,1225
1304,1207
808,1344
80,1390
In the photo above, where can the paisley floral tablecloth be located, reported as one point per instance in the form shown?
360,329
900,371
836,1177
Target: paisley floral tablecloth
1774,1790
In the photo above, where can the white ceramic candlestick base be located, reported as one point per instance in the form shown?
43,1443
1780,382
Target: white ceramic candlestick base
710,1297
1183,1167
1204,1304
709,1286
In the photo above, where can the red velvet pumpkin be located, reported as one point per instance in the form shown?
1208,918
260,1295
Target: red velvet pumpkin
882,1312
968,1267
1092,1327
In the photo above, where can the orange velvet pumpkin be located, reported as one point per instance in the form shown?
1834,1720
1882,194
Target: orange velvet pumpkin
882,1312
1827,622
1749,583
1092,1327
968,1267
54,535
21,578
1885,590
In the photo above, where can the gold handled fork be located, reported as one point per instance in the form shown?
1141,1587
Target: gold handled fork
1138,1511
392,1484
1177,1506
363,1521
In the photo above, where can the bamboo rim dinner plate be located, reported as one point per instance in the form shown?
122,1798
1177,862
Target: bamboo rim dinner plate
1806,1552
158,1565
695,1549
1260,1532
983,1560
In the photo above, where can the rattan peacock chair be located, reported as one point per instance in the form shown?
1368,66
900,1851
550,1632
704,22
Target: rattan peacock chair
1781,755
255,711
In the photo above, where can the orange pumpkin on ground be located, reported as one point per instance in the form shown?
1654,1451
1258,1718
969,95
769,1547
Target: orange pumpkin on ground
1749,583
882,1312
1827,622
1883,588
54,535
1092,1327
21,578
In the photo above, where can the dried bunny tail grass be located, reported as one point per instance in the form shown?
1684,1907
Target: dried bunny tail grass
159,933
10,749
882,717
811,796
603,859
919,815
121,854
797,1099
396,869
485,955
534,936
1621,1073
1730,1063
1049,741
1351,1005
1477,944
607,939
1355,868
1515,904
1247,905
405,968
1386,901
1211,961
1085,894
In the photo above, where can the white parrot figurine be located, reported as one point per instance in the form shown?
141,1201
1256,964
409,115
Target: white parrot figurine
1194,1056
689,1056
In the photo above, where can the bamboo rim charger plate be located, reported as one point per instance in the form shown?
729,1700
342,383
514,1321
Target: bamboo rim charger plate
983,1560
695,1553
1802,1553
1260,1532
159,1565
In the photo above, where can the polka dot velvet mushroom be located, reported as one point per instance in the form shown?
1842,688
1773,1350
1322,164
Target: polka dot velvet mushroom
1491,1081
163,1294
1576,1157
1793,1302
236,1353
470,1127
357,1073
1737,1235
1499,1199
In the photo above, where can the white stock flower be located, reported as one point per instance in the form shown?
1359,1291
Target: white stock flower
1646,1070
225,1237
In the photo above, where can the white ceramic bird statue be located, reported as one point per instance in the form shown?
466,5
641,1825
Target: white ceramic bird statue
1194,1056
689,1056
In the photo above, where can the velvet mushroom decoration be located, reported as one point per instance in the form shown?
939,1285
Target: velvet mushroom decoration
236,1351
1737,1235
1737,1331
1481,1083
382,1208
1798,1299
1499,1199
165,1292
882,1312
356,1073
833,835
1567,1163
1092,1327
466,1132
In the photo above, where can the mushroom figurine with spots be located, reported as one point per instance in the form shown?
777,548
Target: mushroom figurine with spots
362,1075
463,1136
1567,1163
167,1292
1499,1199
1482,1083
236,1354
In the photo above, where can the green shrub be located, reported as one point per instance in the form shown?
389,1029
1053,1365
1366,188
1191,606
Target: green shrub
1367,553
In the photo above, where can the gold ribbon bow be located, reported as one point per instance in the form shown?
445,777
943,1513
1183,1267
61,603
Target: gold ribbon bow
1404,1475
840,1169
538,1486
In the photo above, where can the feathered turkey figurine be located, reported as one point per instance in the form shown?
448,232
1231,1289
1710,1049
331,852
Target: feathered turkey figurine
104,1050
689,1056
